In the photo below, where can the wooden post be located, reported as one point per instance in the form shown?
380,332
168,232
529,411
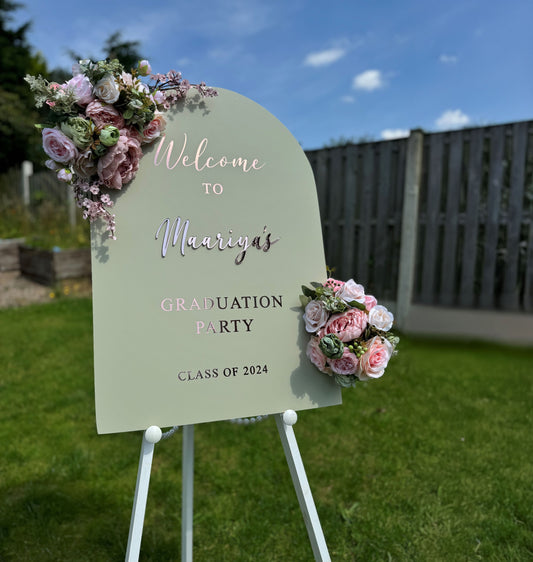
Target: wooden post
411,193
27,172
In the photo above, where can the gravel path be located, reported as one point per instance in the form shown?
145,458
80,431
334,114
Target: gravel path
16,290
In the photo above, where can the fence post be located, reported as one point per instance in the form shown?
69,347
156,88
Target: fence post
411,193
27,172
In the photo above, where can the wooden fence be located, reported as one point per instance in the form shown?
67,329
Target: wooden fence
436,219
473,215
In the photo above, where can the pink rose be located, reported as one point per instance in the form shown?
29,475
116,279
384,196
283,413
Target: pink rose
370,302
103,114
82,88
380,318
64,175
346,325
373,362
348,364
120,163
154,128
315,355
315,316
58,146
352,291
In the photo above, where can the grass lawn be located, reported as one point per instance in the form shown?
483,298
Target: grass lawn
432,462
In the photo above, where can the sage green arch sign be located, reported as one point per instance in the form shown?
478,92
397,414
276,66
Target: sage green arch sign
196,304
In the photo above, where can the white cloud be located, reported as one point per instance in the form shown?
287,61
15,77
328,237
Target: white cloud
348,99
448,59
452,119
324,58
368,80
390,134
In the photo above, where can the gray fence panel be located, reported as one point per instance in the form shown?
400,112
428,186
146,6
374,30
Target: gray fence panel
510,292
350,211
450,269
492,218
469,257
430,255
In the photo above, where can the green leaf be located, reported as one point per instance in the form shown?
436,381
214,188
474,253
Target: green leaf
359,305
308,292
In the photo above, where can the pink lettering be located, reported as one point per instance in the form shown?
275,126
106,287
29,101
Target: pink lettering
164,153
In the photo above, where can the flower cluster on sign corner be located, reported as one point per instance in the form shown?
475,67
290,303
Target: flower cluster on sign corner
97,123
351,337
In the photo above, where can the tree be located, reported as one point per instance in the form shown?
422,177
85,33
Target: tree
127,52
115,47
18,138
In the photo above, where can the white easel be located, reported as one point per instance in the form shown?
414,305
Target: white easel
154,434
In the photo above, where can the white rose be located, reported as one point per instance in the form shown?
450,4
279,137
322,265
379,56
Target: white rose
380,318
107,89
315,316
352,291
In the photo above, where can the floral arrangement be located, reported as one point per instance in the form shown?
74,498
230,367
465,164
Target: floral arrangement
98,122
350,332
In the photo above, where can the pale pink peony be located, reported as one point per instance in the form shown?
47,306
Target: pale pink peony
58,146
370,302
352,291
315,355
373,362
120,163
82,88
103,114
348,364
132,133
380,318
346,325
154,128
315,316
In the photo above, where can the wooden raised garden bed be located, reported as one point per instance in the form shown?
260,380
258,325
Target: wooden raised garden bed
9,254
50,266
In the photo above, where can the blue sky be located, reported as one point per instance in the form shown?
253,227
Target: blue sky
326,69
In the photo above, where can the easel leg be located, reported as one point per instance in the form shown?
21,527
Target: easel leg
151,436
187,493
301,485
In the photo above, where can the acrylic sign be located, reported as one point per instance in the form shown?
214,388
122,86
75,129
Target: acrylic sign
196,304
